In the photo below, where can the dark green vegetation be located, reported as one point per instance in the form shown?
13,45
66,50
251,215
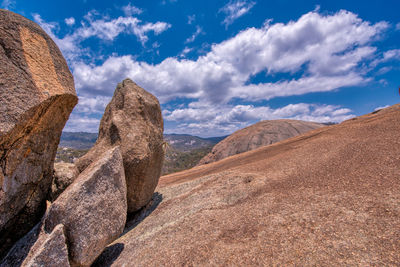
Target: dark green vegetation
176,160
187,143
182,151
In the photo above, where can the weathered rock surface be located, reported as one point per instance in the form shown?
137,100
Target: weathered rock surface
21,249
329,197
64,175
257,135
133,121
52,252
92,209
39,248
36,97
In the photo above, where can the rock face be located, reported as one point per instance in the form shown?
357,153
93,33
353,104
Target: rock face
85,218
259,134
36,97
52,252
329,197
64,175
133,121
20,251
92,209
39,248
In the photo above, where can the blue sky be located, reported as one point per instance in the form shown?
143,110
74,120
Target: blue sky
218,66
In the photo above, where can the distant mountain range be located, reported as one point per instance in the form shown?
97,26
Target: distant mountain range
181,142
78,140
183,151
186,143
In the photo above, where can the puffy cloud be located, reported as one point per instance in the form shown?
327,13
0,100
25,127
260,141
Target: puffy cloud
235,9
325,53
70,21
393,54
102,28
316,53
106,29
297,87
82,123
200,119
92,105
398,26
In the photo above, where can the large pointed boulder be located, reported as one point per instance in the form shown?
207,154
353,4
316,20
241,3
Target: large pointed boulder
52,252
92,209
37,95
133,121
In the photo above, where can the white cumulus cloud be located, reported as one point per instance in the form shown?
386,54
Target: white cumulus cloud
104,28
313,47
315,53
222,120
82,123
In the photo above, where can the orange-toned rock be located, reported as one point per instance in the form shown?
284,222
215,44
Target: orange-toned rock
37,95
133,121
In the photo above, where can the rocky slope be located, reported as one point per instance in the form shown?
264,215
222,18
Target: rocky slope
327,197
259,134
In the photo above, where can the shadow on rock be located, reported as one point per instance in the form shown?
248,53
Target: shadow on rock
20,250
109,255
137,217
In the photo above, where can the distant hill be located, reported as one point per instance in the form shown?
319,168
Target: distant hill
183,151
78,140
259,134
